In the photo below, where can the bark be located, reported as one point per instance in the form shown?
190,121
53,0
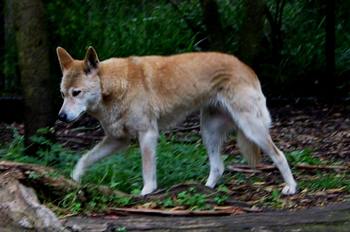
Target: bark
20,209
211,19
11,72
34,67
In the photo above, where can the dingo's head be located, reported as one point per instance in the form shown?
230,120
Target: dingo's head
80,86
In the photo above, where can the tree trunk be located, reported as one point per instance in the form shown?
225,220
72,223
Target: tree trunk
252,32
211,19
11,72
34,66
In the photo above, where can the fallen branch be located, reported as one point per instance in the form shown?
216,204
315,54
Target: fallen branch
303,166
144,211
260,168
245,170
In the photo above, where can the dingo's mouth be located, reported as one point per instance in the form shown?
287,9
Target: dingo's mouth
64,117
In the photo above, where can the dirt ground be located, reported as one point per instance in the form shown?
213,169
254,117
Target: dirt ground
323,127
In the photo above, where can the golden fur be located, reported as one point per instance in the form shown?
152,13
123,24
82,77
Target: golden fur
142,95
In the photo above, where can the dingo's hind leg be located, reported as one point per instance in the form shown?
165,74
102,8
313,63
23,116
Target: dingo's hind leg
253,120
215,123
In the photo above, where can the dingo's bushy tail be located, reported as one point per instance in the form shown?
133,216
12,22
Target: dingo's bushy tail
248,148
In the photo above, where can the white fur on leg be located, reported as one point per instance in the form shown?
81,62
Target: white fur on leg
148,145
282,164
280,160
79,169
107,147
214,127
216,170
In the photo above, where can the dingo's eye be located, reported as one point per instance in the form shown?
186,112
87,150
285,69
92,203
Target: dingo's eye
76,93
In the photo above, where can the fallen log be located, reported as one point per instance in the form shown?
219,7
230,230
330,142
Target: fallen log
332,218
20,209
51,185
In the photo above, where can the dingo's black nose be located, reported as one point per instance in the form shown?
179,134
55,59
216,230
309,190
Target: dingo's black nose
62,117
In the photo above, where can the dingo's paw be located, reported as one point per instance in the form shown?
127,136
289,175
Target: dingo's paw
76,175
289,190
148,189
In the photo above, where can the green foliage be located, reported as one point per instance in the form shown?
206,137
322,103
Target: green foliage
275,196
274,201
220,199
121,229
121,201
192,199
125,28
324,180
49,154
15,149
71,202
119,28
302,157
33,175
176,162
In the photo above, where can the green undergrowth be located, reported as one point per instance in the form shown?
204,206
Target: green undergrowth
176,162
179,160
319,180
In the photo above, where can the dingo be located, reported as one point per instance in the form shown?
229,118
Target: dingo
141,95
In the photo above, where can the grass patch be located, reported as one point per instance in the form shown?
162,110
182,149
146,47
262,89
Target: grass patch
324,181
302,157
177,162
49,154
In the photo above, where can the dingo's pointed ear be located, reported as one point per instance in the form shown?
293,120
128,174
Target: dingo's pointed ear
91,62
64,58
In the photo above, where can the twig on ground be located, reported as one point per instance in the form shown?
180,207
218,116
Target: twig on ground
260,168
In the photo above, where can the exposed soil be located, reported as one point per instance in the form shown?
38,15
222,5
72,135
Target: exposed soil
322,127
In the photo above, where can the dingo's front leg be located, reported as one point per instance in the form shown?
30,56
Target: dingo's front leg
107,147
148,145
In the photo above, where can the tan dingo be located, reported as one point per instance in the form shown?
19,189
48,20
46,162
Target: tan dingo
142,95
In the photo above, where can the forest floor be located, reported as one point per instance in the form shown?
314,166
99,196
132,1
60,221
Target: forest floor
322,127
